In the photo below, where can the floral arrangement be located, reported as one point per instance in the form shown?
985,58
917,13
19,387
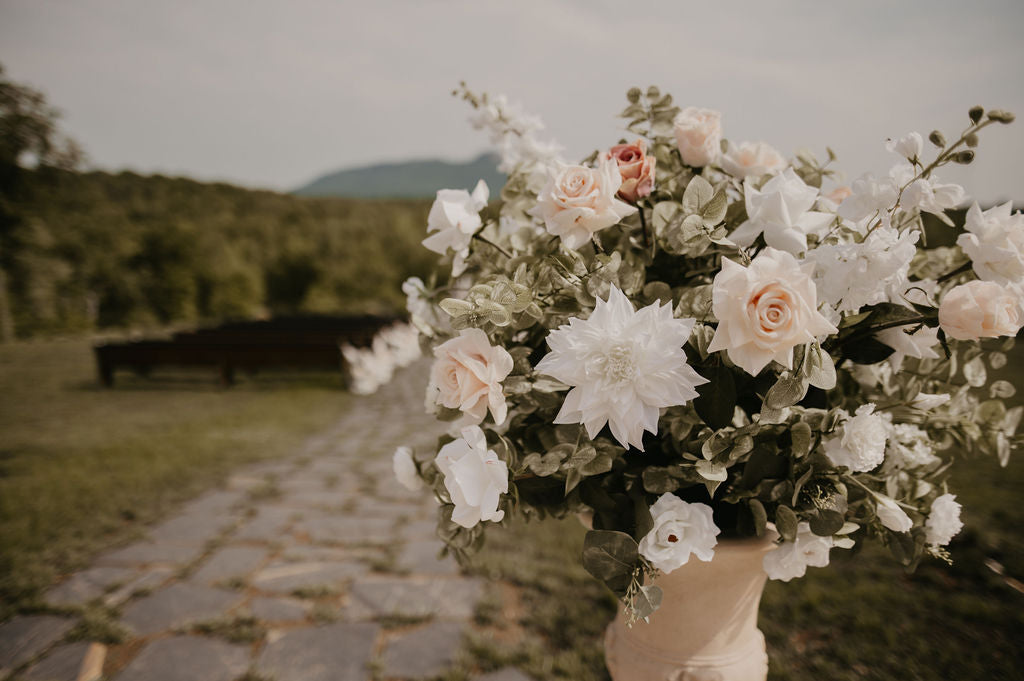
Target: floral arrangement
686,338
393,347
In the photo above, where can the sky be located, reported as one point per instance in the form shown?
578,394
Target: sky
273,94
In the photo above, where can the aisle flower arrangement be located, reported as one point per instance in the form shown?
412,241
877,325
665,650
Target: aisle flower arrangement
686,338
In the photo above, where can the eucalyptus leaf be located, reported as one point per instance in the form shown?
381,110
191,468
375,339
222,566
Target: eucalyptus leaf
608,554
698,193
786,392
646,601
786,522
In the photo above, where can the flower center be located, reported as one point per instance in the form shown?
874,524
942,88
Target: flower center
673,539
619,362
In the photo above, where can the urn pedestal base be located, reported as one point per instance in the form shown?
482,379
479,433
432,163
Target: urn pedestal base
706,627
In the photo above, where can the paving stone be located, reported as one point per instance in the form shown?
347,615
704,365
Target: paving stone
421,557
419,529
417,596
25,636
319,499
187,658
267,525
287,577
195,527
506,674
61,664
231,561
346,529
213,503
425,652
278,609
335,652
87,585
177,605
149,579
148,551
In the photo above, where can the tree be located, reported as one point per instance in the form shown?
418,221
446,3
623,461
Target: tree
28,137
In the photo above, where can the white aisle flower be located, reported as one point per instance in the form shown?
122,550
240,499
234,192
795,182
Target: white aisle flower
680,529
578,202
909,146
860,446
781,209
944,521
405,469
625,366
474,476
765,310
454,219
467,375
791,558
869,196
909,446
919,344
927,194
995,243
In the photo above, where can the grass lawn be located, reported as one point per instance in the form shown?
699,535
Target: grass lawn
83,467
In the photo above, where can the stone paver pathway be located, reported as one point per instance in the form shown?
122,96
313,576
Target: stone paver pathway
314,568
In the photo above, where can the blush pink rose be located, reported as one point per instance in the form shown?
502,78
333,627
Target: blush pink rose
636,169
980,309
467,375
765,310
698,135
578,202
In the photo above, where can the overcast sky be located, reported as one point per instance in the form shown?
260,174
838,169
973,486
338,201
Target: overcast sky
272,94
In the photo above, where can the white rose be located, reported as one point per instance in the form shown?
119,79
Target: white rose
467,375
698,135
765,310
455,217
781,209
861,445
752,159
680,529
474,476
980,309
791,558
909,146
944,521
578,201
405,469
995,243
891,515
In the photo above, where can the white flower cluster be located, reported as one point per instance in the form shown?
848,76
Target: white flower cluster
861,444
851,275
369,368
514,133
791,559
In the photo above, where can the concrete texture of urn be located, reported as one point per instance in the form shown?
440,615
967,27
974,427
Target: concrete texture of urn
706,627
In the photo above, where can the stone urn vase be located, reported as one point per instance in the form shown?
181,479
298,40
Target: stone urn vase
706,627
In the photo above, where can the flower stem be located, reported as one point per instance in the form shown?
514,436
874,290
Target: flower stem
959,270
493,245
643,226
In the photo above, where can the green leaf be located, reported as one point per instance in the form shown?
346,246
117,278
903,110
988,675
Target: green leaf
760,516
826,522
716,399
713,211
455,307
802,438
646,601
819,369
698,193
658,480
608,554
786,522
786,392
867,351
709,470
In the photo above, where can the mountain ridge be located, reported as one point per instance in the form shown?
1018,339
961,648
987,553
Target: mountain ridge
406,179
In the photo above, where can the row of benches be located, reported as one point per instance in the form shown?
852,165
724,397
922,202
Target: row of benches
310,342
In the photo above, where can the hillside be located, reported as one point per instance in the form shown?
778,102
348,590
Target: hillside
412,179
87,251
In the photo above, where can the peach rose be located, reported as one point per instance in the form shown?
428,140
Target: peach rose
752,159
980,309
699,135
578,201
636,169
765,310
467,375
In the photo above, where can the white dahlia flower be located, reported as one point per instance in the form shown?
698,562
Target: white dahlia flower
625,366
